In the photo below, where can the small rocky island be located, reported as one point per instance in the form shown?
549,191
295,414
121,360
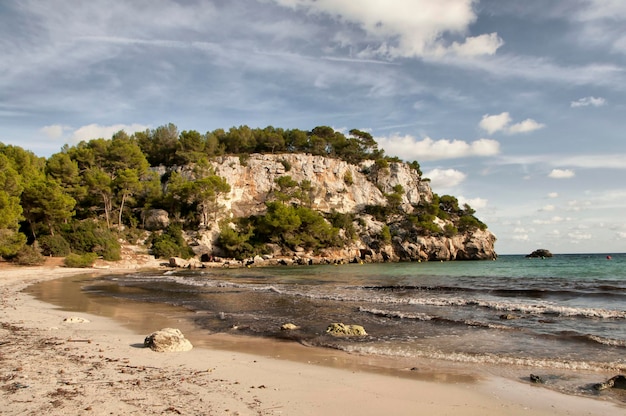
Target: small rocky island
542,253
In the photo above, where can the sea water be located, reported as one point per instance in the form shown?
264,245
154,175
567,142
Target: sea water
567,312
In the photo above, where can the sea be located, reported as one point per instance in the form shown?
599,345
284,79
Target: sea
562,317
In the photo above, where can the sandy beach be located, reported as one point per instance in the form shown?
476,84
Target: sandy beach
99,366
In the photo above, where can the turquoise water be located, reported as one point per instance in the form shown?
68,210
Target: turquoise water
565,312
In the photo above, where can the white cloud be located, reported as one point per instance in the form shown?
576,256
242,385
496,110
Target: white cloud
525,126
476,203
502,122
410,28
588,101
561,174
54,131
409,148
553,220
553,195
622,235
96,131
548,208
577,236
492,124
445,178
486,44
520,237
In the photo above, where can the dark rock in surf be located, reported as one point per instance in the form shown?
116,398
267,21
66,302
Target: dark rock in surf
617,382
536,379
542,252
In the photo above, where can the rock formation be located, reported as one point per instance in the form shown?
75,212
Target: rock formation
167,340
542,252
340,187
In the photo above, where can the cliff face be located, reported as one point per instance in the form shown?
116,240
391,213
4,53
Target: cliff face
332,190
341,187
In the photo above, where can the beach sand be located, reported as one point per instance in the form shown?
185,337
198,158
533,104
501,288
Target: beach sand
99,367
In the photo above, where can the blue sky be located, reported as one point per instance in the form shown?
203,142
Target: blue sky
515,106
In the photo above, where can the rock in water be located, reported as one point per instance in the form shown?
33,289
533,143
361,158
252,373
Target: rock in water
617,382
340,329
167,340
289,327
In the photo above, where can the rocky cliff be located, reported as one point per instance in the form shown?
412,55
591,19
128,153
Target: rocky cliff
337,186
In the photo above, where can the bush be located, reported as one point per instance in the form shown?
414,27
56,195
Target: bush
80,260
29,256
90,237
170,243
54,245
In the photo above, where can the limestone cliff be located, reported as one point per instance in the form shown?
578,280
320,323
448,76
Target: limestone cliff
338,186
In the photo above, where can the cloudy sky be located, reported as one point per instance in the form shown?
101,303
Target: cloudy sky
515,106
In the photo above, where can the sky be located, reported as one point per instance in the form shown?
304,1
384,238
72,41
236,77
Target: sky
516,107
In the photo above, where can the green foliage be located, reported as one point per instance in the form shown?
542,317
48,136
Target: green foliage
348,179
80,260
381,164
29,256
89,236
170,243
416,167
236,244
286,225
10,242
385,234
344,222
286,165
54,245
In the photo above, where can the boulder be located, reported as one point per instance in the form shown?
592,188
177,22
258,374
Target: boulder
617,382
167,340
156,219
542,252
289,327
185,264
340,329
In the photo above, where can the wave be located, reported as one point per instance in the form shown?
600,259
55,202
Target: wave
361,294
578,290
460,357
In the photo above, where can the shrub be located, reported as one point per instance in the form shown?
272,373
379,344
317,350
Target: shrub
29,256
80,260
348,179
170,243
91,237
286,165
54,245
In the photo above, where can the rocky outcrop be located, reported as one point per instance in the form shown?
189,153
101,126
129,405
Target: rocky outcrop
340,187
167,340
156,219
254,179
617,382
342,330
540,253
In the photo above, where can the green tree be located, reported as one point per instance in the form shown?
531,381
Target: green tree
126,184
206,193
45,201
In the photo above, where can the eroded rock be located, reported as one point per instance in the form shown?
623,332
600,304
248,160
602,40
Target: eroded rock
167,340
340,329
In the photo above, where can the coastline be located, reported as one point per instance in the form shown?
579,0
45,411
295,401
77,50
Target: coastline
100,367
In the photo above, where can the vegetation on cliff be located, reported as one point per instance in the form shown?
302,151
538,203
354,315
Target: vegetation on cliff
87,197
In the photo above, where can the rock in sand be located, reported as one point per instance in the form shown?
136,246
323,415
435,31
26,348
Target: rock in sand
167,340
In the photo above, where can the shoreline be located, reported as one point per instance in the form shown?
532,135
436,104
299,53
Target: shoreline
100,367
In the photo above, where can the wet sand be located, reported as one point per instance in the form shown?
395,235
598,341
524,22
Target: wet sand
99,367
